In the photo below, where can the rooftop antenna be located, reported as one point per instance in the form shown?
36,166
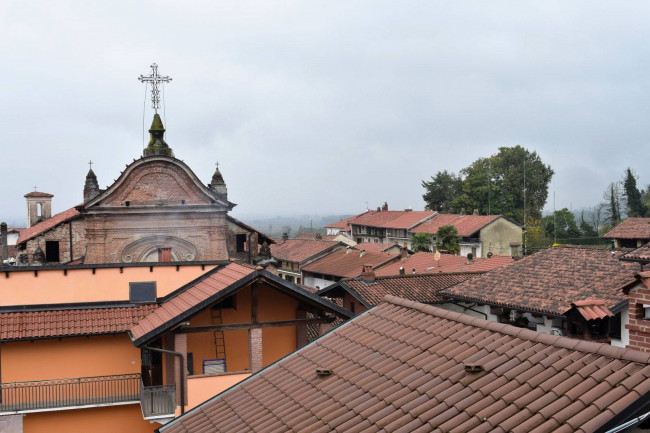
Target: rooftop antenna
525,228
554,222
489,188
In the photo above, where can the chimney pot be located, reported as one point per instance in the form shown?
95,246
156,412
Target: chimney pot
401,270
368,274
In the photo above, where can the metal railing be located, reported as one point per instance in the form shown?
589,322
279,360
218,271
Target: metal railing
59,393
157,401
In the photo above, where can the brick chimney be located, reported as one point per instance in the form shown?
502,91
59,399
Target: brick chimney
385,206
403,252
368,275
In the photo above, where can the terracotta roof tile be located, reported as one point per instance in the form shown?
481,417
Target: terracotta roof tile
343,224
43,226
391,218
630,228
375,247
298,250
27,325
420,288
38,194
466,225
386,392
348,263
551,280
641,254
314,236
425,263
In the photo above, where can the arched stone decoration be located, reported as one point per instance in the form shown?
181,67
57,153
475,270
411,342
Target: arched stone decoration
146,249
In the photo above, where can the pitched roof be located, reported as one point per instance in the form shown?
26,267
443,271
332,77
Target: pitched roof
29,325
314,236
641,254
550,280
348,263
425,263
630,228
38,194
420,288
374,246
48,224
398,219
466,225
344,224
408,367
209,289
297,250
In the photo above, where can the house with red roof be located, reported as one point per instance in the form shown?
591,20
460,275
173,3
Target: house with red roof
292,254
565,290
481,235
413,368
633,232
430,263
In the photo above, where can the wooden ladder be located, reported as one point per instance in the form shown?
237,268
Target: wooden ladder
219,338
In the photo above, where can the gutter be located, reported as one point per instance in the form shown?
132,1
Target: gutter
181,370
470,309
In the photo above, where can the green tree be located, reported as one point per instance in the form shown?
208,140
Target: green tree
495,185
421,242
634,202
447,239
560,225
441,191
587,229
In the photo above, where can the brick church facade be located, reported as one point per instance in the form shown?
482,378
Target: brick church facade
157,210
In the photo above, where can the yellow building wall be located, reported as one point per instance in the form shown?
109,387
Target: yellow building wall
82,285
110,419
201,388
497,237
67,358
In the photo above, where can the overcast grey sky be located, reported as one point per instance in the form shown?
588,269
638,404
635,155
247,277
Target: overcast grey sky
317,107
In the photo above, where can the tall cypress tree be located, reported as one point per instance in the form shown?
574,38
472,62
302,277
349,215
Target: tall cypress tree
635,206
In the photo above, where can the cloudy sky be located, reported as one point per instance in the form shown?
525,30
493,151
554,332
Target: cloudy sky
319,107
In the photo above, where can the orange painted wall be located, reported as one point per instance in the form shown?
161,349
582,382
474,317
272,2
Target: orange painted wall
81,285
202,388
111,419
69,357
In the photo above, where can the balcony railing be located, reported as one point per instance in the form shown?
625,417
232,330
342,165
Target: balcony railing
75,392
158,401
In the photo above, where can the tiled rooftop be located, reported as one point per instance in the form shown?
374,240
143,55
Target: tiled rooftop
348,263
425,263
344,224
375,247
550,280
405,367
38,194
641,254
397,219
466,225
297,250
28,325
315,236
47,224
420,288
631,228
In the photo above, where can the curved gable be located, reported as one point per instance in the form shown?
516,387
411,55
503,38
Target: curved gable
157,181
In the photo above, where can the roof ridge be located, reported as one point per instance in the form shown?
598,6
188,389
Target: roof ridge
428,275
527,334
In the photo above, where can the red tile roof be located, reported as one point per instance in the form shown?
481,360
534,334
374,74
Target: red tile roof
196,292
29,325
398,219
425,263
466,225
420,288
593,309
631,228
374,246
313,236
48,224
344,224
348,263
38,194
641,254
297,250
405,367
551,280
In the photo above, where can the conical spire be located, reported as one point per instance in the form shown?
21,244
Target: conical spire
157,145
91,187
218,185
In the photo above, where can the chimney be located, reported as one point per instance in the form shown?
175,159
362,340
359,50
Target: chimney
318,236
285,236
413,271
368,275
403,252
401,270
3,240
362,253
475,212
348,249
385,206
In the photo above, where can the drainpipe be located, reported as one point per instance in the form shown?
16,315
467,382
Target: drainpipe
470,309
182,368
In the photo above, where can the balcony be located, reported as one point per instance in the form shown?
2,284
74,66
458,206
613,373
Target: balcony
158,401
36,396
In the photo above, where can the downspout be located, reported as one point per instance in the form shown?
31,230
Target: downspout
182,368
470,309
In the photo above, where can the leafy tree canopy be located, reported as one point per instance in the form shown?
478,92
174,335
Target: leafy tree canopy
493,185
421,242
447,239
561,224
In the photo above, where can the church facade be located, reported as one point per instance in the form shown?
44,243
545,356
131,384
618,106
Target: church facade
157,210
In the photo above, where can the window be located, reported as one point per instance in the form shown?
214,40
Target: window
241,243
52,251
142,292
190,363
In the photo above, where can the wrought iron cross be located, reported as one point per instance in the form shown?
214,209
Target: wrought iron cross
90,163
155,80
217,164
